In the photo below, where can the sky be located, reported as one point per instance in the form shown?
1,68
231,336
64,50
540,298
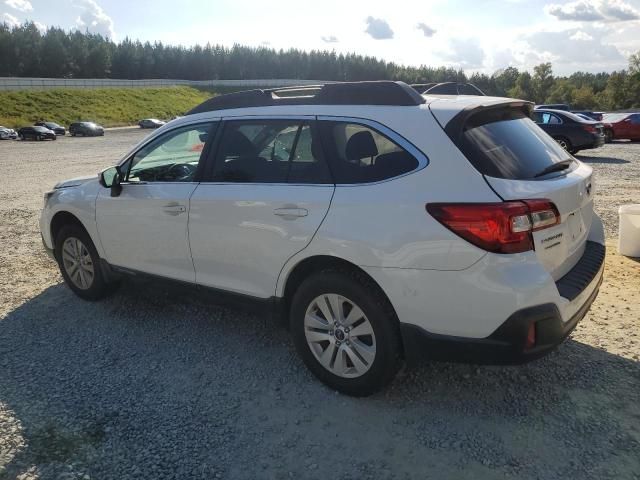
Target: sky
480,35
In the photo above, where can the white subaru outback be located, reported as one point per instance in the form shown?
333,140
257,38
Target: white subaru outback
384,225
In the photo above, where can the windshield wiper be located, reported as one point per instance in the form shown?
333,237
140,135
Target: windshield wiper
555,167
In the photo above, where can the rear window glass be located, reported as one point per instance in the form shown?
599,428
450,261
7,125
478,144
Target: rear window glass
505,143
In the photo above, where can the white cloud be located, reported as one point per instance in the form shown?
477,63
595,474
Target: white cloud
40,26
94,19
10,20
426,29
465,53
577,48
580,35
618,10
21,5
594,10
329,39
378,28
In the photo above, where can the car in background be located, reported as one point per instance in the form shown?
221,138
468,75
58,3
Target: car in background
572,132
86,129
608,128
36,133
151,123
54,127
447,88
597,116
623,126
553,106
8,133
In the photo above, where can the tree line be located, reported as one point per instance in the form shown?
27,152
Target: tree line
25,51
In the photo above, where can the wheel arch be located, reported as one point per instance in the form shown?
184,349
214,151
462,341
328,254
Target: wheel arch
317,263
61,219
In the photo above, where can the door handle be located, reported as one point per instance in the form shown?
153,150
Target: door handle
291,213
173,209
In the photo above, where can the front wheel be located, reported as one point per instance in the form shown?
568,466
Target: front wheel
80,265
346,332
608,136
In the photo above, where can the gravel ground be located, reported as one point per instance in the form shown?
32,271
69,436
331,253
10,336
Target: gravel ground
157,382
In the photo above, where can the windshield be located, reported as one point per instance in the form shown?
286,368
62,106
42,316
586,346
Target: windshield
52,125
505,143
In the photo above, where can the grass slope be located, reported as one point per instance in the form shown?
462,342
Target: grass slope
110,107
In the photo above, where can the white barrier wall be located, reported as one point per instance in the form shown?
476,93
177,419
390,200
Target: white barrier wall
24,83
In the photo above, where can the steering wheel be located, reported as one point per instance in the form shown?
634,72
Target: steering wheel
180,171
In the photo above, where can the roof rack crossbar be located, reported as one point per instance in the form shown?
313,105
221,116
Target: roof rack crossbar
345,93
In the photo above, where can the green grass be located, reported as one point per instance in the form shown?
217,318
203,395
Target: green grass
110,107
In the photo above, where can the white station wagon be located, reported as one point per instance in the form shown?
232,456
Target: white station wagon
384,225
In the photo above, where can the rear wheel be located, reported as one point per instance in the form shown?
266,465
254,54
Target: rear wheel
564,143
346,332
80,265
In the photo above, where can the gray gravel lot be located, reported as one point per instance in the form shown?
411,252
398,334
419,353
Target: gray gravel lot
159,382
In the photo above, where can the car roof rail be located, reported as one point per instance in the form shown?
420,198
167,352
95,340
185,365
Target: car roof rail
448,88
382,92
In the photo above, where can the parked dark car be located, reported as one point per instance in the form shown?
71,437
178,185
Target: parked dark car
597,116
86,129
8,133
36,133
570,131
553,106
623,126
54,127
151,123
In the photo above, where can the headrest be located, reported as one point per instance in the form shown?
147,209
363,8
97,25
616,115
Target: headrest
361,145
238,145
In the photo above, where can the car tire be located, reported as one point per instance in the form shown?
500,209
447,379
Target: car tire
564,143
357,365
608,135
88,279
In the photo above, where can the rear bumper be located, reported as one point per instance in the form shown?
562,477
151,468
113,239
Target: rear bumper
507,344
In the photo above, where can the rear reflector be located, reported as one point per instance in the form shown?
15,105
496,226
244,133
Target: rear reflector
503,227
531,337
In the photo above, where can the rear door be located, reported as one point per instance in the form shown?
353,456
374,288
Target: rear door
268,193
512,153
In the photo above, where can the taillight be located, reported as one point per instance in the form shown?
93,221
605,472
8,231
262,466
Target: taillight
504,227
590,128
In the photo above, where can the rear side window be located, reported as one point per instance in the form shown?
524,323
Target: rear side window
545,117
360,154
270,151
506,143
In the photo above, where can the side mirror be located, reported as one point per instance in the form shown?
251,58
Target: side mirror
110,178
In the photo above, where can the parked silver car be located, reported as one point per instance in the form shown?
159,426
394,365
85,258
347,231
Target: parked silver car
7,133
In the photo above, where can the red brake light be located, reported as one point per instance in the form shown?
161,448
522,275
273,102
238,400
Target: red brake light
590,128
503,227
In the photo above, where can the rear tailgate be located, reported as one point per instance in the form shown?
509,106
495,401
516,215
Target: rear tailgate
512,152
559,247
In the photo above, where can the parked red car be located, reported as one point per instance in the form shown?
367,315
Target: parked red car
622,126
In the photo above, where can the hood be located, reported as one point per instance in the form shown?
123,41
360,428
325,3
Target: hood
74,182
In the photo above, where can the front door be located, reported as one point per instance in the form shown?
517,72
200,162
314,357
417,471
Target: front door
145,227
269,192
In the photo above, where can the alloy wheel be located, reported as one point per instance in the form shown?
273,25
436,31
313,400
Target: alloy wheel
77,262
340,336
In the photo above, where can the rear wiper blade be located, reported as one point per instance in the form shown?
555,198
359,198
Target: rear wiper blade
555,167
